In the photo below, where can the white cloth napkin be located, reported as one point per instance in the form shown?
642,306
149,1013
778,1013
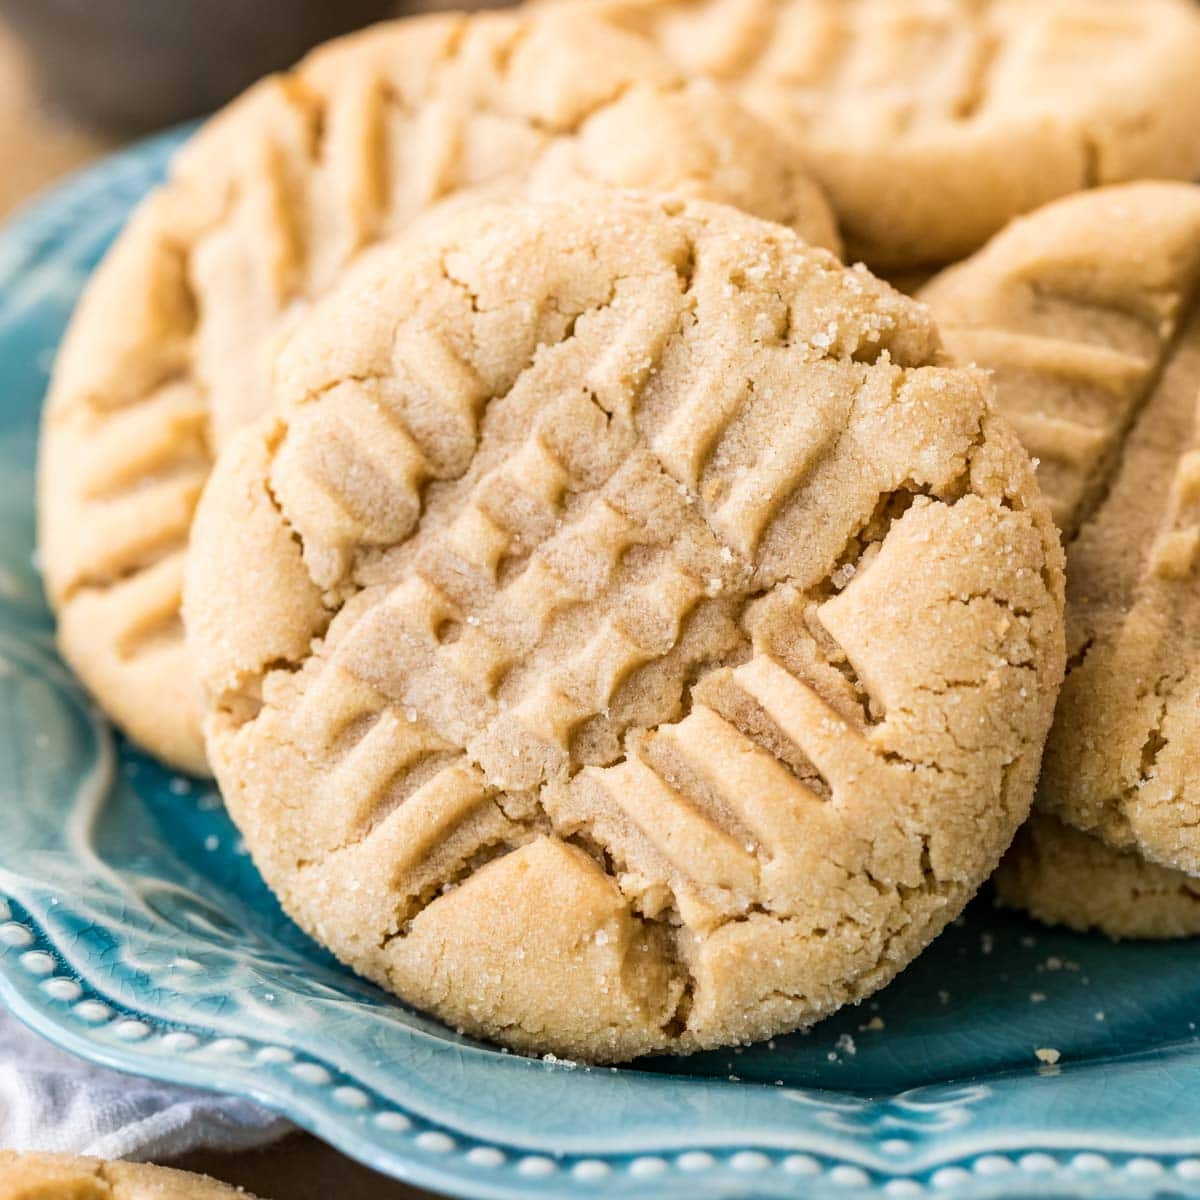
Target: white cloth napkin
50,1100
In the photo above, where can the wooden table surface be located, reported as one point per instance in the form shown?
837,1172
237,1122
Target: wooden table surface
38,146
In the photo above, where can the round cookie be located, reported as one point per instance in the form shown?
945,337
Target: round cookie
931,123
1065,877
170,347
626,636
1087,313
33,1176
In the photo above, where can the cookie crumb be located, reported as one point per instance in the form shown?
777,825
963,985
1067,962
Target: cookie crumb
1048,1056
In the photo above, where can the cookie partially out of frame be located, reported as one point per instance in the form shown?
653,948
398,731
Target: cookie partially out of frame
931,123
169,350
1065,877
1087,313
31,1176
627,636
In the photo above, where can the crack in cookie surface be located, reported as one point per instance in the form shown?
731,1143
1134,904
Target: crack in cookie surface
265,209
629,750
1087,313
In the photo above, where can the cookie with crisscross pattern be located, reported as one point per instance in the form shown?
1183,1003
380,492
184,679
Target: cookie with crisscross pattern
169,350
627,636
931,123
1088,314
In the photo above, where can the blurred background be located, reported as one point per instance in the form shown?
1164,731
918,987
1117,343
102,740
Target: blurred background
128,66
77,77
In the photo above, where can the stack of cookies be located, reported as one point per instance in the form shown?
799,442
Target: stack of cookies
615,625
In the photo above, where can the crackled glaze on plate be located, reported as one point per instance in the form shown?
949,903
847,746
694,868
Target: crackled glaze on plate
134,931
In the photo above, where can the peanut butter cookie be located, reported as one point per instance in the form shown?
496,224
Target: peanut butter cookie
626,636
932,123
168,351
62,1177
1087,313
1065,877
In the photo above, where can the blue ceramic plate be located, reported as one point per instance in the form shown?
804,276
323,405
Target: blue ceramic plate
134,931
